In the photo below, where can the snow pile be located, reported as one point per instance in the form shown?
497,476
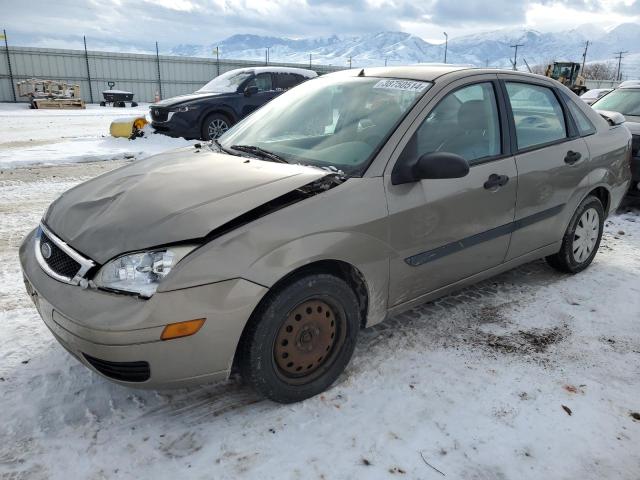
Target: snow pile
529,375
31,137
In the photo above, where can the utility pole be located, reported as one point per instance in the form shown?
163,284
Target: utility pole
446,46
218,60
619,56
158,65
584,56
515,55
349,61
6,46
309,60
385,61
86,57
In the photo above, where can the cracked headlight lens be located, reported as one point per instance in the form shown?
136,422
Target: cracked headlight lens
140,272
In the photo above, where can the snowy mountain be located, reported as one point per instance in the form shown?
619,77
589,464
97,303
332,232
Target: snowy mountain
487,48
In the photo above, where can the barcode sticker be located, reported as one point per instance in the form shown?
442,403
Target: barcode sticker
406,85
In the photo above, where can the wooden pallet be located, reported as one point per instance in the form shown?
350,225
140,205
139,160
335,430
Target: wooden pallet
57,103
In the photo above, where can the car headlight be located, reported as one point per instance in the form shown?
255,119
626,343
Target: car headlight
185,108
140,272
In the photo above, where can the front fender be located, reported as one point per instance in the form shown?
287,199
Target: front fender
367,254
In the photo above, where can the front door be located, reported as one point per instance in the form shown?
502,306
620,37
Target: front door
553,166
445,230
266,91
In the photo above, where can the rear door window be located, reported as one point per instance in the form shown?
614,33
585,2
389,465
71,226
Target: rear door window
537,114
285,81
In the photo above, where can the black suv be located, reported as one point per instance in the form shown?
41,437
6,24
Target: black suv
209,112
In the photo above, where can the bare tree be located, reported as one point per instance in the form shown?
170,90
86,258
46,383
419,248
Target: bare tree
599,71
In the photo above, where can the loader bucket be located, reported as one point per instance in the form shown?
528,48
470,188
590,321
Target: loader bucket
128,127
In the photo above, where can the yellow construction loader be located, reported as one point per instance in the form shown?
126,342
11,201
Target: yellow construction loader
568,73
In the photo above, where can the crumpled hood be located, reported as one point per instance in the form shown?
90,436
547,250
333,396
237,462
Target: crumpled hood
180,195
180,99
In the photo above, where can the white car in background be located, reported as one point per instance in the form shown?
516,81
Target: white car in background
595,94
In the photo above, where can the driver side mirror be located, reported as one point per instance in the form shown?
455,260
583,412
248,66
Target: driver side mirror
434,165
250,90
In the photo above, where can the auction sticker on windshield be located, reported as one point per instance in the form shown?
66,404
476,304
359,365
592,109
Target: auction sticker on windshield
405,85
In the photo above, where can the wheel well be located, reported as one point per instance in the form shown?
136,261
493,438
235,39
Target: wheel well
602,194
343,270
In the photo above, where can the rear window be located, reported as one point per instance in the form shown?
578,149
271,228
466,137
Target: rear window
585,127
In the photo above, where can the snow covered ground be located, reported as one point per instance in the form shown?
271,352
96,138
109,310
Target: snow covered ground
529,375
48,137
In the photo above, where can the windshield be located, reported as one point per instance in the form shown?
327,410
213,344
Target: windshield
626,102
227,82
335,122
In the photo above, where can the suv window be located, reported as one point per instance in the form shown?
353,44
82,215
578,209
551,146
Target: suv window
465,122
585,127
537,113
262,81
285,81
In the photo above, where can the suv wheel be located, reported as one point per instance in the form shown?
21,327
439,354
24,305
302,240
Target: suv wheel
301,339
582,238
214,126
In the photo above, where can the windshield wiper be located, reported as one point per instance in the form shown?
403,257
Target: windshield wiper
259,152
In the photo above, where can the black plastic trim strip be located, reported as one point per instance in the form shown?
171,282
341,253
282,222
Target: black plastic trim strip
454,247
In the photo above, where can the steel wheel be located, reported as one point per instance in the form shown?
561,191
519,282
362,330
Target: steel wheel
585,235
217,127
307,341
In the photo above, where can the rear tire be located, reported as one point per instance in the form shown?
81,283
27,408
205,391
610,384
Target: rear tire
301,338
214,126
582,238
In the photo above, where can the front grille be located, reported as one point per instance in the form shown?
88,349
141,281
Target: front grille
123,371
58,261
158,115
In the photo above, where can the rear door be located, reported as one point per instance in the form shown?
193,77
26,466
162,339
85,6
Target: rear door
266,91
552,161
448,229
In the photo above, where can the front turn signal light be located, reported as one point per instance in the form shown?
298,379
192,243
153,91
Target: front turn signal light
182,329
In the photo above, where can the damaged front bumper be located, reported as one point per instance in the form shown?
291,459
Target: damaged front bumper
118,336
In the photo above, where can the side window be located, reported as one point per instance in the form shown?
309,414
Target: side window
538,116
585,127
465,122
287,80
262,81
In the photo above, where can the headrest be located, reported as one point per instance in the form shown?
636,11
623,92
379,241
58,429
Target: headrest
472,115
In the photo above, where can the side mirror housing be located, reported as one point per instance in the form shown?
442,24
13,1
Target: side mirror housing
434,165
250,90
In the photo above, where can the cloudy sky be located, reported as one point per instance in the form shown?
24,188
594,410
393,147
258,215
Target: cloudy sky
60,22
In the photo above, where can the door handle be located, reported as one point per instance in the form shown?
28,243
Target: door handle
495,181
572,157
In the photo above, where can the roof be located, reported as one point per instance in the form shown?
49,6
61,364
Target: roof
427,72
300,71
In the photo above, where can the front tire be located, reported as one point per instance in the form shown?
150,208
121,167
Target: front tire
582,238
214,126
301,338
